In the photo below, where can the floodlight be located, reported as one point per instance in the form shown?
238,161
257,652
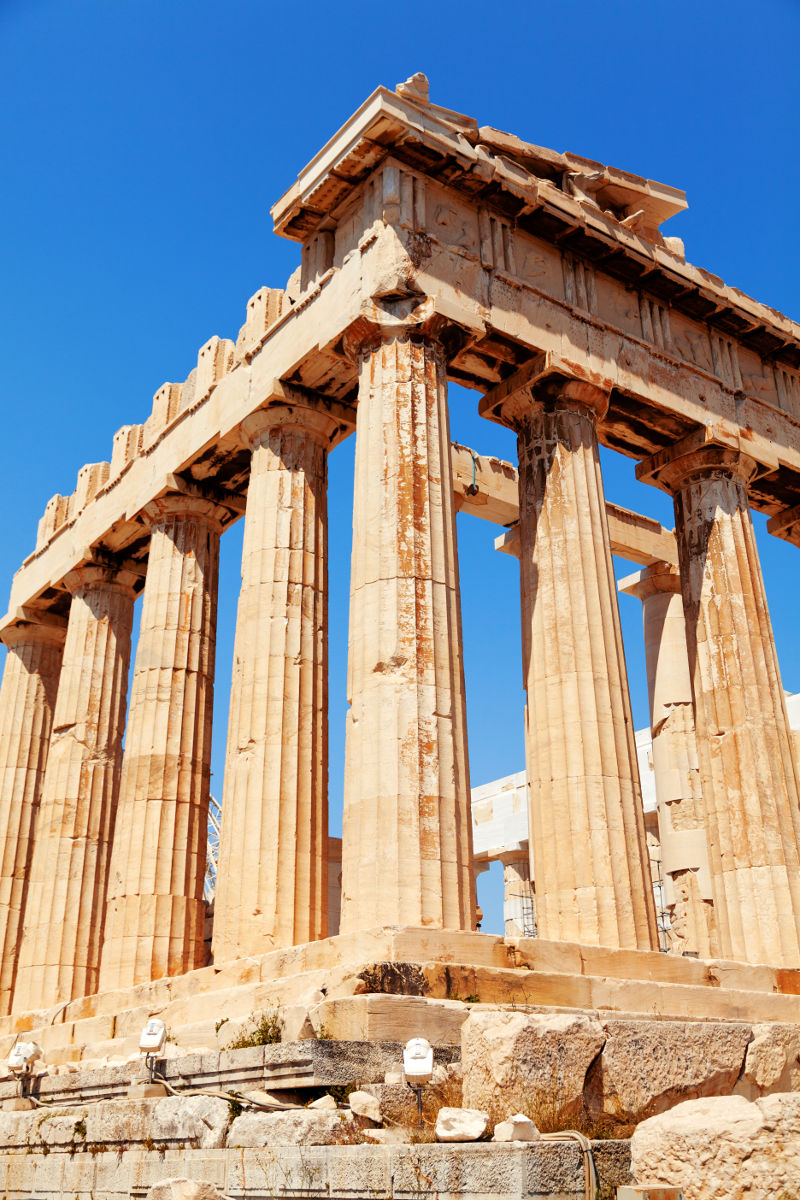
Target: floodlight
22,1057
418,1061
153,1038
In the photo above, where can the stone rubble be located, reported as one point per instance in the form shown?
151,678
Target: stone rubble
518,1128
461,1125
183,1189
299,1127
365,1105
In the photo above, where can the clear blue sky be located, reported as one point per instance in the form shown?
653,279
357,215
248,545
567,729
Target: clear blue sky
143,142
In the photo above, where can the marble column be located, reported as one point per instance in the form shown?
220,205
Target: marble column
155,915
681,819
27,698
62,934
587,826
407,835
272,876
747,770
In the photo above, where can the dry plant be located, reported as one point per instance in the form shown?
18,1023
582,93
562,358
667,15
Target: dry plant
444,1094
350,1132
552,1112
265,1030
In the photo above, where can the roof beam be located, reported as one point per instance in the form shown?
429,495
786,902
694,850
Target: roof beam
486,487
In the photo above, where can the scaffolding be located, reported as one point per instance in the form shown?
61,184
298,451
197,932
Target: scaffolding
212,849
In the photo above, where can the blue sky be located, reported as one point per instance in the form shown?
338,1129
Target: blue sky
143,142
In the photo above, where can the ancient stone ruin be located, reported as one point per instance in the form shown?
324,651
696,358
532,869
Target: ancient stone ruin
432,250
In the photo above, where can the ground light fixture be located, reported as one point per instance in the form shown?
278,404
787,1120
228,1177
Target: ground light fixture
152,1041
418,1068
20,1062
22,1057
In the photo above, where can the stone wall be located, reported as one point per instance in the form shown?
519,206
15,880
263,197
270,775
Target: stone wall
549,1171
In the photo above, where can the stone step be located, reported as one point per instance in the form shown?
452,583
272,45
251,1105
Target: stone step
437,963
361,1172
311,1064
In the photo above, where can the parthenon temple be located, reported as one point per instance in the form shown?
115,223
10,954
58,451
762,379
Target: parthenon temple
433,250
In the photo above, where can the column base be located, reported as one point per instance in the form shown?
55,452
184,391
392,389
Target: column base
400,982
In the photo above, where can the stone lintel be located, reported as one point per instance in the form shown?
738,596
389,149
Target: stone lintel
637,538
786,525
485,486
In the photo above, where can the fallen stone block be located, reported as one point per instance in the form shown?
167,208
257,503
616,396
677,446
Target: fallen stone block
397,1103
725,1146
299,1127
647,1067
365,1105
537,1061
183,1189
772,1061
200,1120
386,1137
518,1128
461,1125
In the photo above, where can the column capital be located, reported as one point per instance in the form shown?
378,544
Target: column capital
28,628
546,381
178,504
510,855
659,577
411,321
92,575
326,421
703,453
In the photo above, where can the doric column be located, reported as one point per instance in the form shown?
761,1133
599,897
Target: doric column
407,835
681,820
272,877
60,952
27,698
747,769
156,914
587,827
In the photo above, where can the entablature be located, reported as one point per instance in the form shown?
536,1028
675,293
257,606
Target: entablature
516,253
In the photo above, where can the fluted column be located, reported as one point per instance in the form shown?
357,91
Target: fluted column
272,877
681,819
155,916
587,826
27,698
62,934
747,769
407,836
